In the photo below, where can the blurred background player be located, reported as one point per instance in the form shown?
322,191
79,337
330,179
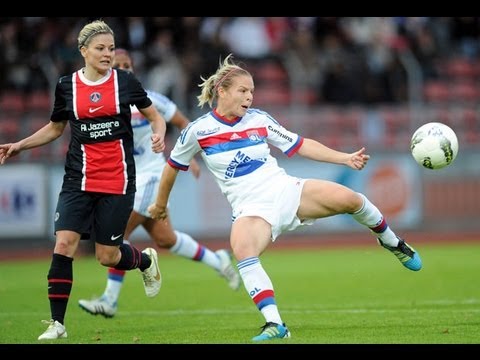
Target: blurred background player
149,166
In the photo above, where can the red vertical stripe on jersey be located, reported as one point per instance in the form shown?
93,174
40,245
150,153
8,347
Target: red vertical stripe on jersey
96,100
101,176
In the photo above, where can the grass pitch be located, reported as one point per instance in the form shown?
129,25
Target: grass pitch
325,296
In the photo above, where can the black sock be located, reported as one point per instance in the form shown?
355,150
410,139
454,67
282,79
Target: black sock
60,281
132,258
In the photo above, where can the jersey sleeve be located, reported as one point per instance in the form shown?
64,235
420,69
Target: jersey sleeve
163,104
138,95
287,141
59,112
185,149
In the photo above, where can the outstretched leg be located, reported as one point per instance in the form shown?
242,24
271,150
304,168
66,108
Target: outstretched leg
321,198
370,216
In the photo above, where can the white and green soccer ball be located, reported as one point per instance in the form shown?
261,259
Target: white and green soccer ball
434,145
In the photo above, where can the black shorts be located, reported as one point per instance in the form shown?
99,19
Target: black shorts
97,216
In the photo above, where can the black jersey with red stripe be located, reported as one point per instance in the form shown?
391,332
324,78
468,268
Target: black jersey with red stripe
100,154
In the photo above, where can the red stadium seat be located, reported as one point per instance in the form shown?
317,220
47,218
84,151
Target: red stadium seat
460,67
10,129
436,91
12,102
39,101
464,90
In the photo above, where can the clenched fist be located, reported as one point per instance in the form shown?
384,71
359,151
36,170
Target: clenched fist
158,212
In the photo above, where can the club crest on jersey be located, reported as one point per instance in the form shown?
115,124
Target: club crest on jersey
253,135
95,97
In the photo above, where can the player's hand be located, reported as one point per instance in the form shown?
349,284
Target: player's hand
8,150
158,212
358,159
158,143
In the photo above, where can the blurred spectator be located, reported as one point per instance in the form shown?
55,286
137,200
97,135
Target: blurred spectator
14,68
166,75
328,60
343,82
137,33
248,38
66,55
304,63
466,33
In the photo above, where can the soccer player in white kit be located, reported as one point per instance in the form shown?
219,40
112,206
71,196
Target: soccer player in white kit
233,140
148,169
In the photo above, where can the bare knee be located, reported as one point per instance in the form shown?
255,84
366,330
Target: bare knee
238,252
165,240
355,202
107,255
242,249
66,243
65,248
161,232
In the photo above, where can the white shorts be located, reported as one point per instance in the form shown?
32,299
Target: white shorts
146,194
277,203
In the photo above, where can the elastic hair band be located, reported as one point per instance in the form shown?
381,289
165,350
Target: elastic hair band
223,79
92,34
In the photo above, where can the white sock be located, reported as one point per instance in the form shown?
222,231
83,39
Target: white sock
114,283
187,247
370,216
260,288
112,291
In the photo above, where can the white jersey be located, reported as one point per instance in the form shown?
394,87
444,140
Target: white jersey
236,152
148,163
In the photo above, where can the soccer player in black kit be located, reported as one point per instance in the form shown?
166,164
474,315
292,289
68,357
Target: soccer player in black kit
98,188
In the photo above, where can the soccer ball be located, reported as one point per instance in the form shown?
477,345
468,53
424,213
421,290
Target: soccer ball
434,145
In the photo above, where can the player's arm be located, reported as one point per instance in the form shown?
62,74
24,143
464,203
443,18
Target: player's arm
180,121
45,135
159,127
158,210
314,150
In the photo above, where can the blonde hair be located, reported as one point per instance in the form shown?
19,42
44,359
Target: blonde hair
92,29
222,78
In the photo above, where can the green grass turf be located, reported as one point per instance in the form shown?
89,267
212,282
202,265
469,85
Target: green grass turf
325,296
